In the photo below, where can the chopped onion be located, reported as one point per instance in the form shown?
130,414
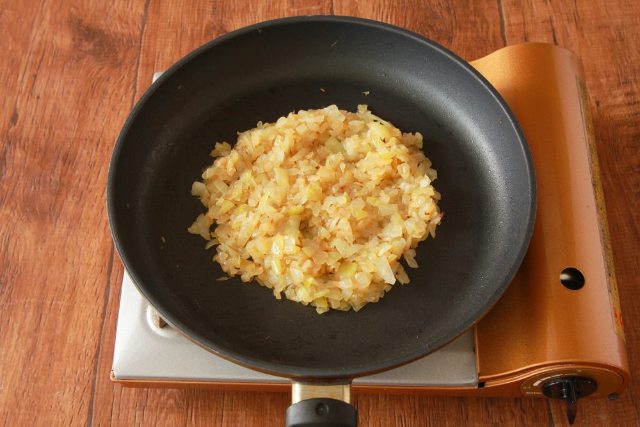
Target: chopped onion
319,206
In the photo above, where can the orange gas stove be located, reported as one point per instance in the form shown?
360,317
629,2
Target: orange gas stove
557,331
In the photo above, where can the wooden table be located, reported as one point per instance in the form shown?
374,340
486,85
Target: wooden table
70,73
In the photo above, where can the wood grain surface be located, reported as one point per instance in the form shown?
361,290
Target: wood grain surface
69,74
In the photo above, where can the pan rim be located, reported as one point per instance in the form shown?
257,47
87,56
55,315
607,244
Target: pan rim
299,372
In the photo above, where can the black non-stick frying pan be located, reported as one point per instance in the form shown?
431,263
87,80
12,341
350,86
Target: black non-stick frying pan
485,176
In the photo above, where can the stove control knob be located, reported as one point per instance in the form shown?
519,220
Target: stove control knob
569,389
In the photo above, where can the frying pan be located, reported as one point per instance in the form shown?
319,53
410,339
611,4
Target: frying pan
265,71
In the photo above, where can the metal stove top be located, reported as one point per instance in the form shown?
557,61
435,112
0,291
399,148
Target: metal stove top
146,352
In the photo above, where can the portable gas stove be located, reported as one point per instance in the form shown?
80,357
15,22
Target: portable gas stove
557,331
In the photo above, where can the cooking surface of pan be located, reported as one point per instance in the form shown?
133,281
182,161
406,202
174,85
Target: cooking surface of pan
485,176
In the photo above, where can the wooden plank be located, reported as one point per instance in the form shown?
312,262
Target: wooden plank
469,28
388,410
67,78
169,34
603,35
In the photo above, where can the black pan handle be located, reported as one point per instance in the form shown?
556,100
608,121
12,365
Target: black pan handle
323,412
317,405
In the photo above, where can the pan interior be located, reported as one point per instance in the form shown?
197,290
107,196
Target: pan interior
484,176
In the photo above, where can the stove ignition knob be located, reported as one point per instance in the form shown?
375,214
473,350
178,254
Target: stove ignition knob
569,389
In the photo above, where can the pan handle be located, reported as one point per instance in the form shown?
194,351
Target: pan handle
321,405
